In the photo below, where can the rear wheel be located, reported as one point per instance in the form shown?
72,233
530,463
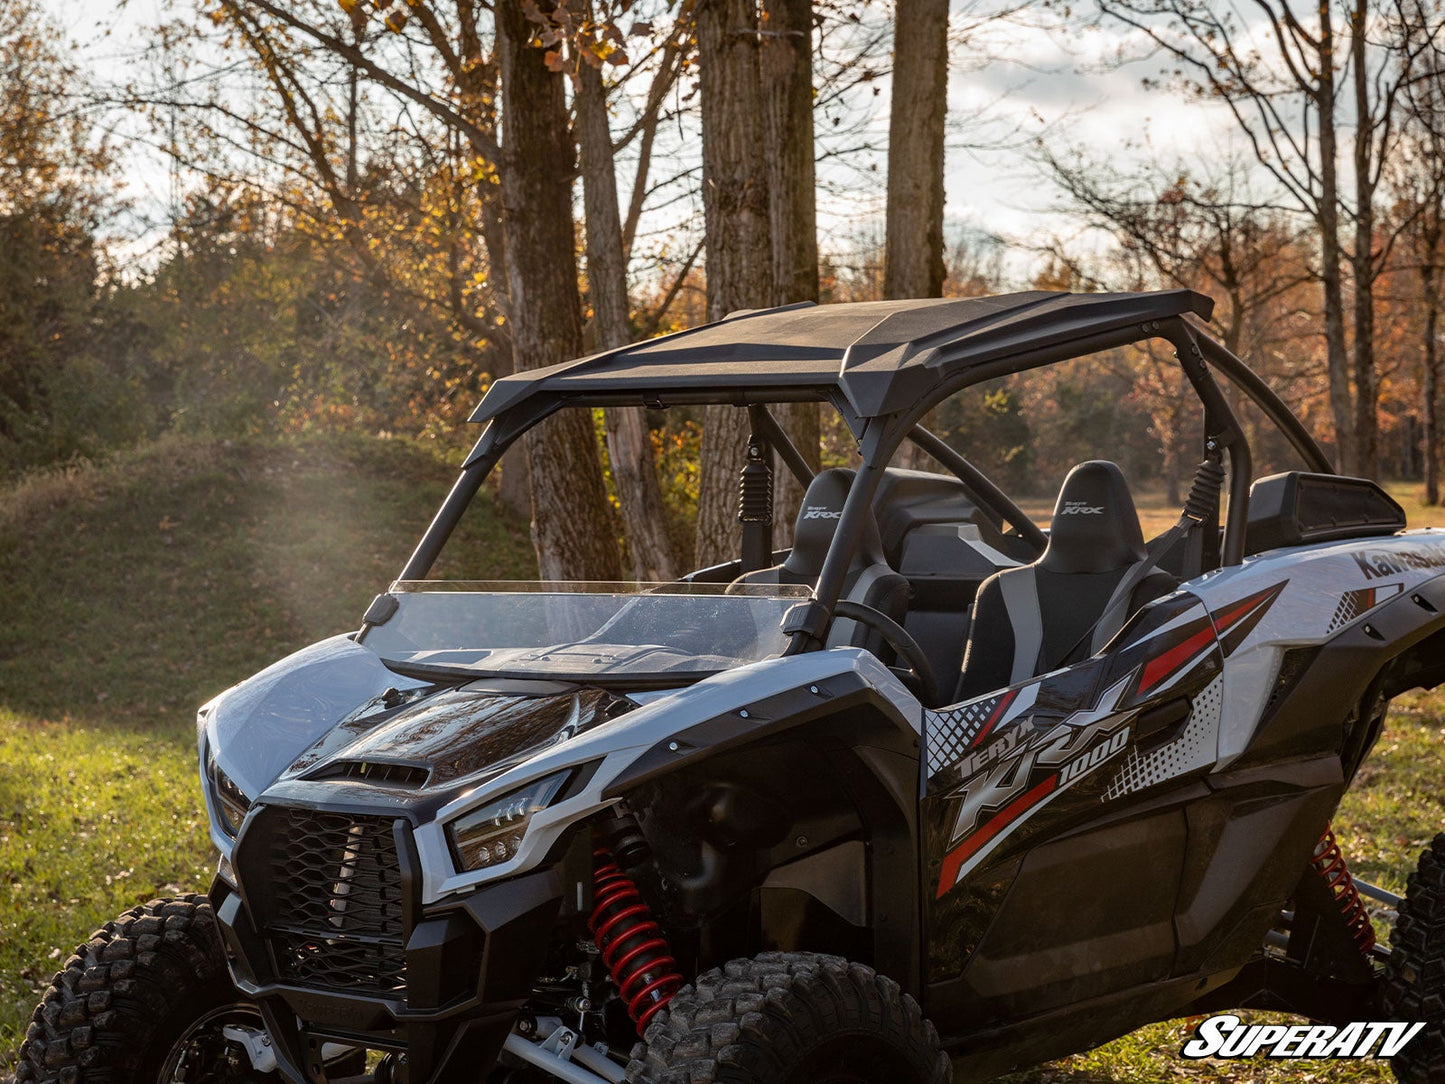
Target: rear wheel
146,1000
1414,985
790,1018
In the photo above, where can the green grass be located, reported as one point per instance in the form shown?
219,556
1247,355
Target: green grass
136,590
92,820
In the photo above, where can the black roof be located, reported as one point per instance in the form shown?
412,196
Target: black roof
882,355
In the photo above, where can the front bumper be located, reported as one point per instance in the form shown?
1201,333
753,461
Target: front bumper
470,963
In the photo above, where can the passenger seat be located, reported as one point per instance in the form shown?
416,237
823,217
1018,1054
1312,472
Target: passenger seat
1031,619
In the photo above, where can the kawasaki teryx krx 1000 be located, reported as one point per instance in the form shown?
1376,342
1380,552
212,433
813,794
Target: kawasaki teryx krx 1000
929,784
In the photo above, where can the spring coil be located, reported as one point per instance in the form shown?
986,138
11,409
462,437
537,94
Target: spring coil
1329,862
631,942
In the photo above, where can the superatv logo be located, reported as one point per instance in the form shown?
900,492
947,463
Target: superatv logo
815,511
1377,563
1229,1037
1081,508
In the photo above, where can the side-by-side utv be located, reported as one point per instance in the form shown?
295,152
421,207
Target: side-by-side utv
930,785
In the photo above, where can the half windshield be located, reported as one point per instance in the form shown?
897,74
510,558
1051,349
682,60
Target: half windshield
582,631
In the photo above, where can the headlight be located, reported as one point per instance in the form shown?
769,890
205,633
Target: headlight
231,801
493,834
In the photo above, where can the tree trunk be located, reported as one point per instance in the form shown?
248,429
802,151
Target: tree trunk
629,443
787,88
514,484
572,528
1329,221
1367,424
1430,408
913,242
913,261
739,247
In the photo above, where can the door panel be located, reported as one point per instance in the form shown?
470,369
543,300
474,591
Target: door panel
1031,905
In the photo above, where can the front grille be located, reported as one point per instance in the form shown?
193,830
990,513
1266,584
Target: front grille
336,963
335,919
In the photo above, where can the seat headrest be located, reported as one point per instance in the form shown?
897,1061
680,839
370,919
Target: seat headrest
1095,526
817,522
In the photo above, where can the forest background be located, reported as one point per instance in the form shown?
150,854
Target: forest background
242,217
260,258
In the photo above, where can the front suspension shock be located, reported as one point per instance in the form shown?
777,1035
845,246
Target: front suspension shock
631,942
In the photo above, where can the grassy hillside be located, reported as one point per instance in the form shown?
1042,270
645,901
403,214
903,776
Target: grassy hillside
136,590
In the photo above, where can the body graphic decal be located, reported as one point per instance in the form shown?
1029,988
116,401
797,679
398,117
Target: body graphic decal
1357,603
1196,747
952,732
1236,620
1178,652
1033,770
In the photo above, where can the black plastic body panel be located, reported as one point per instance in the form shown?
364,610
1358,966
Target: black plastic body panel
1139,911
471,963
1321,704
1187,878
909,499
1296,509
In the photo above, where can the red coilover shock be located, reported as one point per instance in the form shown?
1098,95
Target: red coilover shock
1329,863
631,941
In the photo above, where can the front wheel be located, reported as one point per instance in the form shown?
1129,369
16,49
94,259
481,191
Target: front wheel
790,1018
146,1000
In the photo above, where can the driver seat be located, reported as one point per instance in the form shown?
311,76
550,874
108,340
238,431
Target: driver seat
870,579
1034,618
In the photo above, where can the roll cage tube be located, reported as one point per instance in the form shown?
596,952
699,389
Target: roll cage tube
1263,396
478,465
767,426
1230,436
882,436
981,484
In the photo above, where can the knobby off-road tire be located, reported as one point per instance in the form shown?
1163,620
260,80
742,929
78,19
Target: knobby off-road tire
124,1000
1414,985
790,1018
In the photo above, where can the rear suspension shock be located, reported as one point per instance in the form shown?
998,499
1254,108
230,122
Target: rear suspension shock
631,941
1329,862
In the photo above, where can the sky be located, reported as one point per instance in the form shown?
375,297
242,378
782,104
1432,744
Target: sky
1038,83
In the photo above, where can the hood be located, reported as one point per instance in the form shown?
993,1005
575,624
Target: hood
460,735
332,713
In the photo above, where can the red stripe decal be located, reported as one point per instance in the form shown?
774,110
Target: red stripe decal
1242,610
1006,816
1158,669
995,715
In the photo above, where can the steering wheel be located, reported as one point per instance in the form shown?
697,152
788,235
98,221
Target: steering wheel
900,640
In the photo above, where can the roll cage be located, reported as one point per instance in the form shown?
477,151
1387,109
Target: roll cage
883,366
